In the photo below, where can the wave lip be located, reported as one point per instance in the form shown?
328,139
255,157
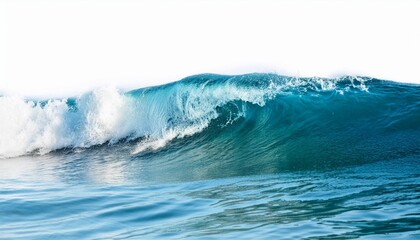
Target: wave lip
155,115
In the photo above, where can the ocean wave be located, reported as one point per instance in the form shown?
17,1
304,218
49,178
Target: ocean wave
152,117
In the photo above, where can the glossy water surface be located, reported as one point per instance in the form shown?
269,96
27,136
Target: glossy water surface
96,199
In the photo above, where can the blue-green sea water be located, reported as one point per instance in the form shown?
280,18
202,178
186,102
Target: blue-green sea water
256,156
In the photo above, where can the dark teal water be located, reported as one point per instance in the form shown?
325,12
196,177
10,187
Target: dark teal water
256,156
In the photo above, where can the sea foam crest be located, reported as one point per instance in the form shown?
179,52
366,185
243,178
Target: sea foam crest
27,126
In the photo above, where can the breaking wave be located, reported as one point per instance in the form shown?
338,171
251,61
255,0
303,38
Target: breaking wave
267,113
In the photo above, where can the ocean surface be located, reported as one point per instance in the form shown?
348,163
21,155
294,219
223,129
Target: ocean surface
255,156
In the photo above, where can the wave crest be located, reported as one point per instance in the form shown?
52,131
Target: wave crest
155,115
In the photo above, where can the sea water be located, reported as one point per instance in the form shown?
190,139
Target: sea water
256,156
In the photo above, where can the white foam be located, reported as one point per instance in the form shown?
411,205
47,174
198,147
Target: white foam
26,126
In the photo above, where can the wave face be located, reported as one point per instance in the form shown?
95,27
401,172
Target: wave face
208,116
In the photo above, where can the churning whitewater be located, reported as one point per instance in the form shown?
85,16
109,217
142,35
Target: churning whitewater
283,109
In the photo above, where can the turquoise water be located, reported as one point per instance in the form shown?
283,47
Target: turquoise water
251,156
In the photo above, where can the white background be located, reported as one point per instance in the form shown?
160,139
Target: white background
60,48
